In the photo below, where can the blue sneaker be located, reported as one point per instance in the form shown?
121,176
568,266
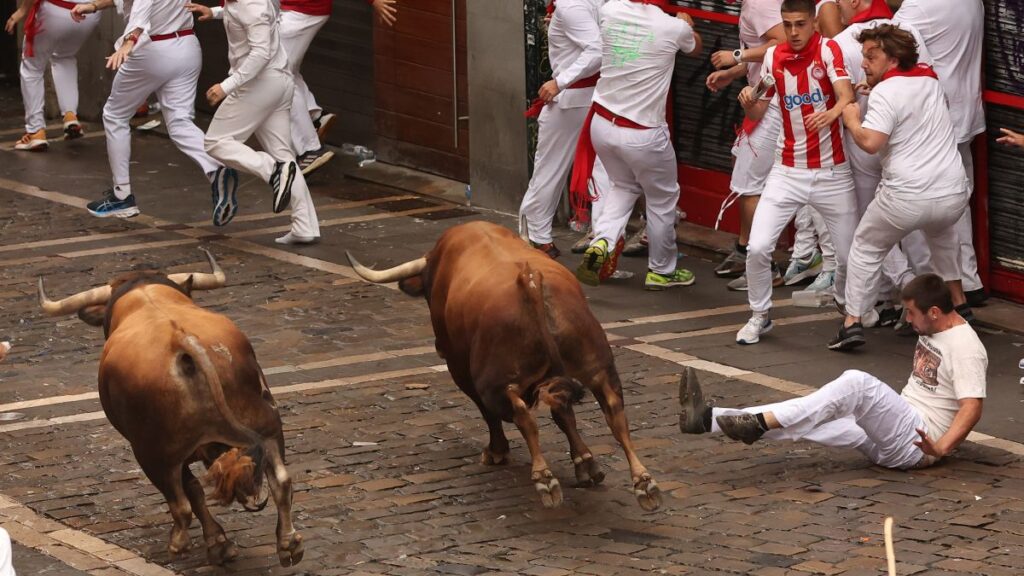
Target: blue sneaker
225,203
281,184
111,205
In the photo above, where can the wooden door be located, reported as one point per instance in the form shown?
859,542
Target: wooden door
420,88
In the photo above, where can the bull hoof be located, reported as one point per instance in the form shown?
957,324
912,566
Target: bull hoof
290,550
180,541
647,493
548,487
588,472
492,458
221,550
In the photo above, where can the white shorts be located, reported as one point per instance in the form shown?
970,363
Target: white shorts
755,154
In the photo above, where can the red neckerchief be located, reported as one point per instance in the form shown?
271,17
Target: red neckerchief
795,61
879,9
919,71
665,5
551,8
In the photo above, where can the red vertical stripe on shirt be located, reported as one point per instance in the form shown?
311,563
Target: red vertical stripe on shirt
787,122
803,86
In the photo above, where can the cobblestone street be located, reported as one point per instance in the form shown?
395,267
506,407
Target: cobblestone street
385,451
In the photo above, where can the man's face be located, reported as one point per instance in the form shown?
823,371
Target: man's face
876,63
923,322
849,8
799,28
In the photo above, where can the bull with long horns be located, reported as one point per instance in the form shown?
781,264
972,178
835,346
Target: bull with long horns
182,384
515,330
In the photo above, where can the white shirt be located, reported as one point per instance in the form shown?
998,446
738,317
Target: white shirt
954,32
948,367
921,159
156,16
639,47
757,17
254,45
574,48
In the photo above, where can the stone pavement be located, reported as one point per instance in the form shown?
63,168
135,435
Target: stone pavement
383,448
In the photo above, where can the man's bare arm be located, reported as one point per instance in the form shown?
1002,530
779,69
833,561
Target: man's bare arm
966,419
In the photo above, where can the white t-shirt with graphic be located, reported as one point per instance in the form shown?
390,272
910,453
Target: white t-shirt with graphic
948,367
639,44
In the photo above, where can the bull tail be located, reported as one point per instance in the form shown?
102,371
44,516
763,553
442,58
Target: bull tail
237,474
559,390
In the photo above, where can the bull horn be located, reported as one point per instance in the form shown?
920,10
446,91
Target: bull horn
400,272
98,295
201,281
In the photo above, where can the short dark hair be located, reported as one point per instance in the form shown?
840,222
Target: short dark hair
926,291
895,42
806,6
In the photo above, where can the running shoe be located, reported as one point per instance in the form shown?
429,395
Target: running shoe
757,326
72,127
33,142
112,206
225,203
281,181
802,269
680,277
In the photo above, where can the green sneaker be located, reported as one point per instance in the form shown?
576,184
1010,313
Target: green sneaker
590,268
681,277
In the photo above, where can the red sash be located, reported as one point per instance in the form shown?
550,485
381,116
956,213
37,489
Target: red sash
169,35
878,9
538,103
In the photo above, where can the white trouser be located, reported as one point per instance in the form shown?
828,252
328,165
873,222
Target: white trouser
855,411
888,219
262,107
827,190
755,154
297,31
639,161
964,228
171,69
811,232
57,43
6,555
558,131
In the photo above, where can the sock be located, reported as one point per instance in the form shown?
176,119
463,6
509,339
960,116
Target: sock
761,421
741,249
122,191
707,418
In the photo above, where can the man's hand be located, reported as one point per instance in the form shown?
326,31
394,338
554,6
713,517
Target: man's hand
723,59
821,120
747,97
718,80
12,22
851,114
928,446
862,89
203,12
1011,138
548,90
115,60
685,18
80,11
386,11
215,95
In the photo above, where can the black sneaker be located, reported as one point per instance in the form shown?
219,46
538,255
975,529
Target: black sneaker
111,205
888,317
309,161
964,310
742,427
848,338
225,203
693,408
734,265
323,125
281,184
976,298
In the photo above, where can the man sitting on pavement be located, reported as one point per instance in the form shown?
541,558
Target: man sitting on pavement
939,406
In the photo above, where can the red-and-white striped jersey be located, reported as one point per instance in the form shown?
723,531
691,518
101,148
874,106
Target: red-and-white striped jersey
803,86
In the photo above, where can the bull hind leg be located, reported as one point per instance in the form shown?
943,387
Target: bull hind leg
289,541
645,489
588,472
168,480
218,548
496,451
543,480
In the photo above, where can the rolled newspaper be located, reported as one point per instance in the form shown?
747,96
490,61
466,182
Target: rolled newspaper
763,85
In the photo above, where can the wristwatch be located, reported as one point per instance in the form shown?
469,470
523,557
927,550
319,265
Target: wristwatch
133,36
738,55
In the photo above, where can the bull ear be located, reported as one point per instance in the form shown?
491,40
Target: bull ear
93,315
413,285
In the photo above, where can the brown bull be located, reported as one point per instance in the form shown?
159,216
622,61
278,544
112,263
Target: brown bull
182,384
515,330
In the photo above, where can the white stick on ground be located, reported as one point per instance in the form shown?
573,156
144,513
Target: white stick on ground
889,553
5,347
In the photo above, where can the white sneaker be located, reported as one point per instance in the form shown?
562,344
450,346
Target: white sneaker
823,283
757,325
290,238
